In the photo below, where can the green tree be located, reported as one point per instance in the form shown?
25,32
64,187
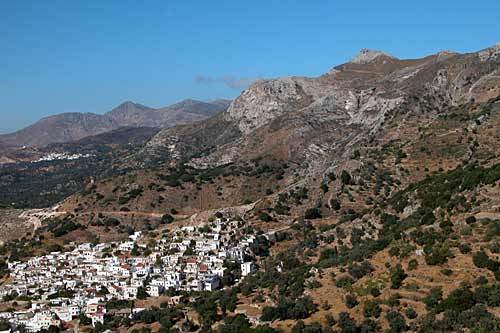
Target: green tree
397,276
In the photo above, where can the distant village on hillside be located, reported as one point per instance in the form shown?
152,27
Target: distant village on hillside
76,285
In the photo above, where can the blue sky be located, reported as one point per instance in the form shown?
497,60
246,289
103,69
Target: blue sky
89,56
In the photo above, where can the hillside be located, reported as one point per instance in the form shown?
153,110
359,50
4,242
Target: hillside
377,185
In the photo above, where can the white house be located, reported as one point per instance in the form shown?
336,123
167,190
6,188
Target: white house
247,268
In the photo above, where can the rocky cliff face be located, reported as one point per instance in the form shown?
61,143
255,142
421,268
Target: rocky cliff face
360,94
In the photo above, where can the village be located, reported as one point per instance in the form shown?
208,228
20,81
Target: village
76,284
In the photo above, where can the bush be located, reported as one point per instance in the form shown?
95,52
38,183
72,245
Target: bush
369,326
464,248
481,260
397,277
412,264
470,219
289,309
433,299
263,216
351,301
346,323
4,325
437,254
372,308
396,321
167,218
312,213
345,177
335,204
410,313
459,300
357,271
344,282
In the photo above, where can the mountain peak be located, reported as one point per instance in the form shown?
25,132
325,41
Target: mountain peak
130,104
366,56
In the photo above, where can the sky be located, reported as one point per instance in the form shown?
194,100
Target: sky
91,55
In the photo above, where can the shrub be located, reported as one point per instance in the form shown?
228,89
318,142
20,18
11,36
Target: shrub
312,213
459,300
372,308
437,255
335,204
410,313
434,298
412,264
346,323
394,251
481,280
324,187
345,177
344,282
470,219
263,216
357,271
369,326
351,301
464,248
374,291
167,218
289,309
480,259
397,277
396,321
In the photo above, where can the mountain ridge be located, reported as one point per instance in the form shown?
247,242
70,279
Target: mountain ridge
72,126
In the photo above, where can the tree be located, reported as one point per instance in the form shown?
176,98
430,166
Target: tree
312,213
263,216
84,320
351,301
345,177
324,187
141,293
411,313
335,204
371,308
346,323
396,321
434,298
4,325
397,276
470,219
167,218
480,259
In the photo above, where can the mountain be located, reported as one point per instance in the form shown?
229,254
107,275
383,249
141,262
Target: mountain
358,98
293,132
68,127
371,194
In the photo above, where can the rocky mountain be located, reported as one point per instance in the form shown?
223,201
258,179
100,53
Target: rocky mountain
300,130
358,97
372,193
68,127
